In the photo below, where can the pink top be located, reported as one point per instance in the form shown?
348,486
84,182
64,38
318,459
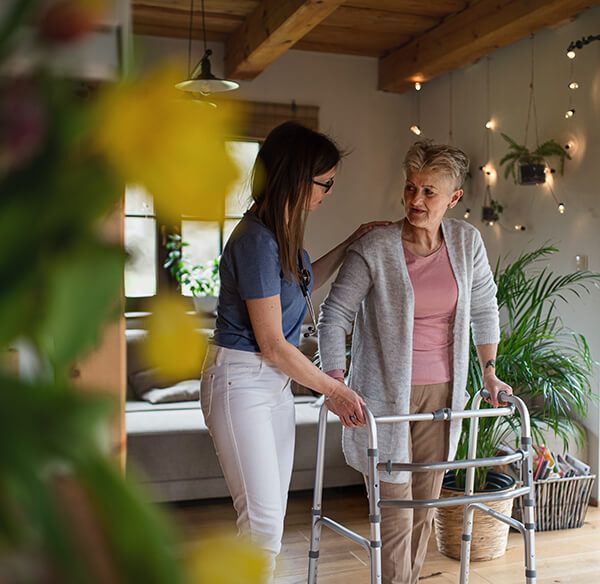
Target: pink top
436,294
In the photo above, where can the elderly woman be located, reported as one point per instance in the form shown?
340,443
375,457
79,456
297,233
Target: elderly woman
414,291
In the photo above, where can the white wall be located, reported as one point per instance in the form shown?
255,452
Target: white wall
374,125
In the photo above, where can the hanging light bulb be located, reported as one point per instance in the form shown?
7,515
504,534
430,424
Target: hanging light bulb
201,79
570,113
418,86
571,54
415,130
561,208
573,85
489,124
491,223
467,213
519,227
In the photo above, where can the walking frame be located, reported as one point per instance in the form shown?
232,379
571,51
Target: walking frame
470,501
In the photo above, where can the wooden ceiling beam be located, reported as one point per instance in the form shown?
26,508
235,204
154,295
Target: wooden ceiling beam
469,35
273,28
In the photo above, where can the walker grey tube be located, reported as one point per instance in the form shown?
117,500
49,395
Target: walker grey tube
374,513
528,502
467,534
315,532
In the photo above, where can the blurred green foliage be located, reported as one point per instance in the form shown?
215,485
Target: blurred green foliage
61,282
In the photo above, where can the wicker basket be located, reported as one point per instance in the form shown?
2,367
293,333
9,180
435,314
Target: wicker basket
560,503
490,536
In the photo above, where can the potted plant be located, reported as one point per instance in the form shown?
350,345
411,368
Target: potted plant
546,364
531,164
490,212
201,279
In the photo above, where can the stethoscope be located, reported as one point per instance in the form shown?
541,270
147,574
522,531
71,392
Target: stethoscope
304,275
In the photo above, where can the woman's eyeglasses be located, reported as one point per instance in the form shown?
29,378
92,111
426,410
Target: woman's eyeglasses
326,185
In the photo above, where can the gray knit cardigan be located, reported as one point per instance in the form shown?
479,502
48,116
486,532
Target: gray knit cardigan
373,291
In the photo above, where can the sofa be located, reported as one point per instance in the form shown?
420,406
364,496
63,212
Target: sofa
169,450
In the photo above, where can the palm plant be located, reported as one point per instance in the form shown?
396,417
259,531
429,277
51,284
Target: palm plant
548,365
519,154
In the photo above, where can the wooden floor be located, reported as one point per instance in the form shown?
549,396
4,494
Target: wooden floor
570,556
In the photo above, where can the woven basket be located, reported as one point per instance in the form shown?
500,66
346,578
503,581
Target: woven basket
489,538
560,503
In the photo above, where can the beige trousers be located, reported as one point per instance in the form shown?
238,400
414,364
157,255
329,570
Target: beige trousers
405,532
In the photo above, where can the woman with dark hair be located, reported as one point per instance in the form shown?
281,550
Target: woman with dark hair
266,276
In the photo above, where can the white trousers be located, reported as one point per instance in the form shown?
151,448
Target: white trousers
249,411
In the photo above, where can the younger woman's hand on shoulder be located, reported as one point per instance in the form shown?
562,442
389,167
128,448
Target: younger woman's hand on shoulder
365,228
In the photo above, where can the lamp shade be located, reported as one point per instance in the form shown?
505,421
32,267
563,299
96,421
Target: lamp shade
203,81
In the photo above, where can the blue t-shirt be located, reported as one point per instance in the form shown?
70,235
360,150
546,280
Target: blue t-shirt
250,268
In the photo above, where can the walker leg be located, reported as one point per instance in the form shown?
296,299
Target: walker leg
374,516
528,500
465,544
315,531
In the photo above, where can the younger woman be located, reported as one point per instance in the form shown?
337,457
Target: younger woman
266,278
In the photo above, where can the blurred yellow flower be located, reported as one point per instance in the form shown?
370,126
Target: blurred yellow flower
227,560
174,347
172,145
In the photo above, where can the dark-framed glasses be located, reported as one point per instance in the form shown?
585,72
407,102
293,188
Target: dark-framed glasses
326,185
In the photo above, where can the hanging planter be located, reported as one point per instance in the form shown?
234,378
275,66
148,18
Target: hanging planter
529,167
492,209
532,174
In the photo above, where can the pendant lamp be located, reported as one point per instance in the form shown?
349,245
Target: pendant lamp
201,80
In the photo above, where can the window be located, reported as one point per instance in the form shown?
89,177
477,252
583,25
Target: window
144,273
144,236
140,243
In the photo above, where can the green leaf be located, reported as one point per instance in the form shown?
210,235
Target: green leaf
83,294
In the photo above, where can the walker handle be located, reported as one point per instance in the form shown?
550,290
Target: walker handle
502,396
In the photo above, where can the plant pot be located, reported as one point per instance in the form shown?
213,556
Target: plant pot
490,536
489,215
532,174
205,305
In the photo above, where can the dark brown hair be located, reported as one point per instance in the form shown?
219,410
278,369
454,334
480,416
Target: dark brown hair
287,162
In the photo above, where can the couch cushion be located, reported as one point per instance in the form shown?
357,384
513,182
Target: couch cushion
183,391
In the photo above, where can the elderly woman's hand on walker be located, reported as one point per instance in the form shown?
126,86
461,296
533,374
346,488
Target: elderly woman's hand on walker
494,387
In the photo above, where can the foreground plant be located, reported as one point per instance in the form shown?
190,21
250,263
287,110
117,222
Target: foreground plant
66,513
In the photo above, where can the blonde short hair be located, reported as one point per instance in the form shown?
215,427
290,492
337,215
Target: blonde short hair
424,155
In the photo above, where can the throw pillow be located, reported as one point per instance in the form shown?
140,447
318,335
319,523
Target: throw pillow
188,390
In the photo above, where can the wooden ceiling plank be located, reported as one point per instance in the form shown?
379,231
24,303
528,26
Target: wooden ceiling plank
177,20
470,35
234,7
367,20
439,8
162,30
273,28
330,39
